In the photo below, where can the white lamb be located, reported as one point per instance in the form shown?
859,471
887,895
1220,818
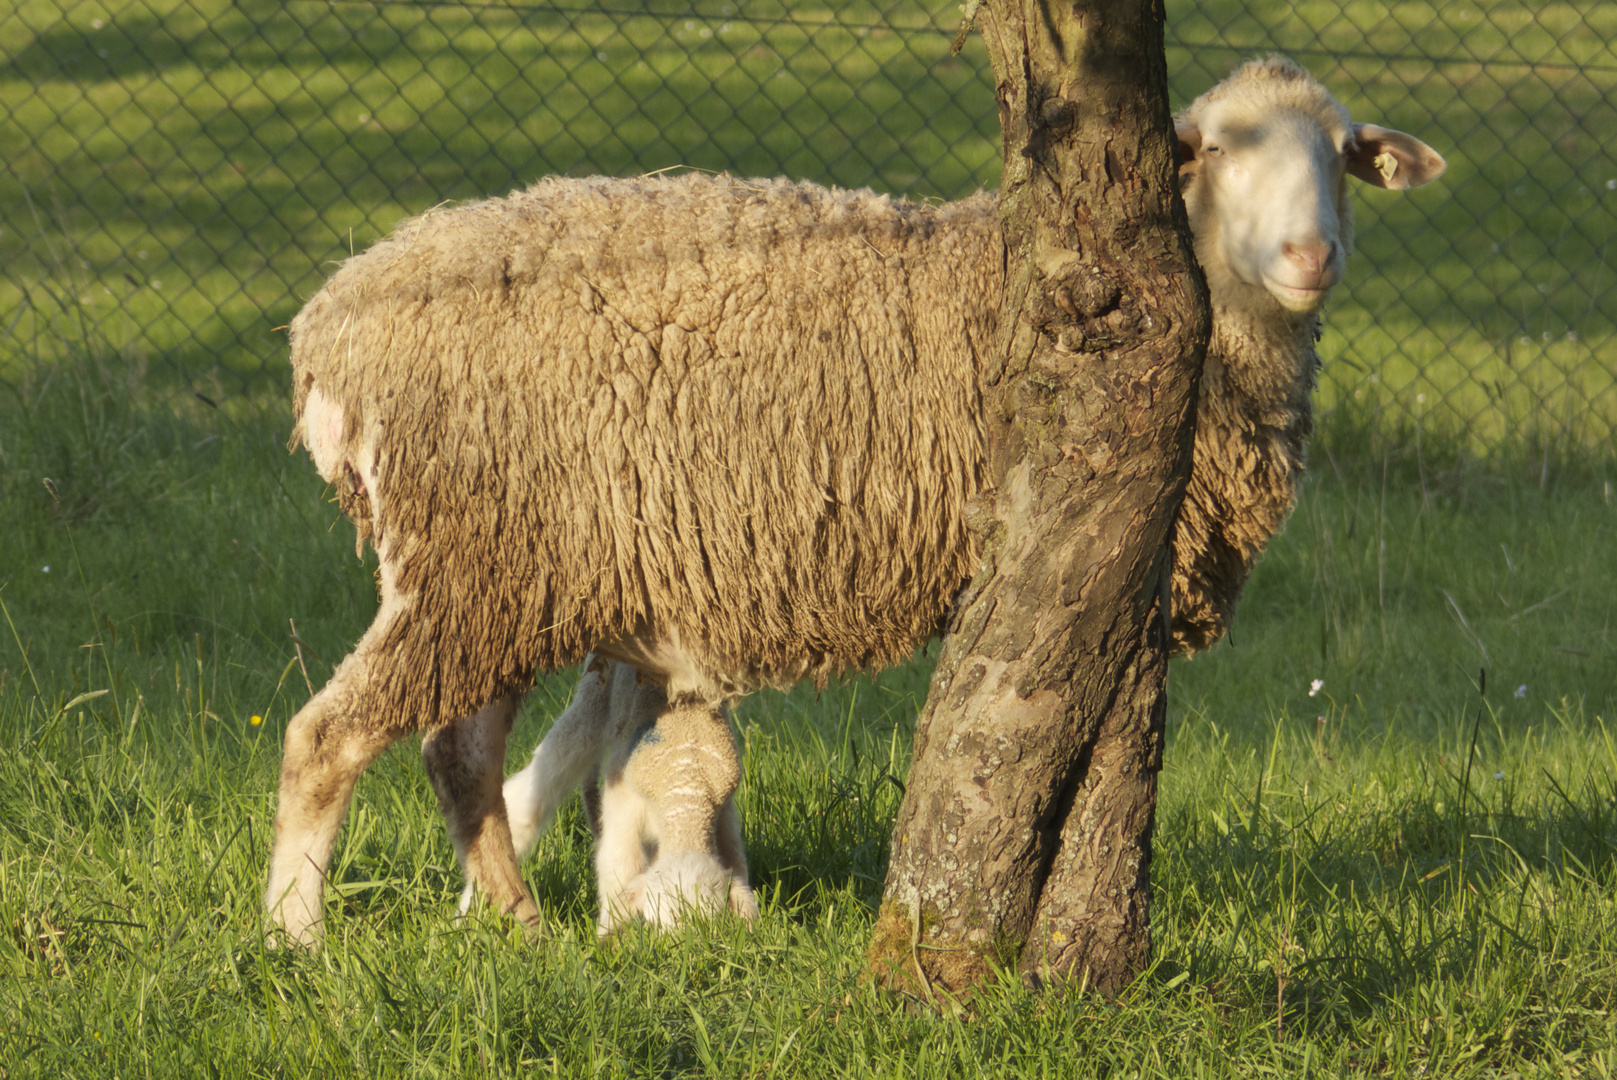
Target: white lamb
668,838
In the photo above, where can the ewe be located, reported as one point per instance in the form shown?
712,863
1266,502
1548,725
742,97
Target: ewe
1265,139
725,433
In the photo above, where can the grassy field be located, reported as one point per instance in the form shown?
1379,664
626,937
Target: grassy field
175,175
1398,875
1406,873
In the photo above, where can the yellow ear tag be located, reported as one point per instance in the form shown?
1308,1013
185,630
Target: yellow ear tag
1386,165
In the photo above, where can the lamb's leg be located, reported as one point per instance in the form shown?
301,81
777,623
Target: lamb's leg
466,763
733,857
628,824
329,743
688,767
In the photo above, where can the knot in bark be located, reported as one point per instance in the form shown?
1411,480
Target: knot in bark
1056,118
1057,115
1086,295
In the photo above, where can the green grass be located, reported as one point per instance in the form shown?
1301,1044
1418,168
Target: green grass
179,174
1398,876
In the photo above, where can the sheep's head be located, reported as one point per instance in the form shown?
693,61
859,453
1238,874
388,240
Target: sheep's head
1265,157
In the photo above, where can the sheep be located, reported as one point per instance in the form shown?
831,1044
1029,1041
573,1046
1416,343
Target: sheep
1384,158
727,433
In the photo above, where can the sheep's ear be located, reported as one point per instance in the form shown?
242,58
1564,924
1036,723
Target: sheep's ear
1391,159
1190,141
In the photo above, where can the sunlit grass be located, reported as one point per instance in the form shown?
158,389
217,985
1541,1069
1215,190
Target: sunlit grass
1407,872
1398,874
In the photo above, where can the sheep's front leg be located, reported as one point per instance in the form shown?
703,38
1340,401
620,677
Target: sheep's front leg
570,754
328,744
466,763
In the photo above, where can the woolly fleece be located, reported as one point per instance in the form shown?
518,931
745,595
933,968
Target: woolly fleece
735,423
740,416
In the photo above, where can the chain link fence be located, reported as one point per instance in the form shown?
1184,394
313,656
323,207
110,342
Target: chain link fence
176,176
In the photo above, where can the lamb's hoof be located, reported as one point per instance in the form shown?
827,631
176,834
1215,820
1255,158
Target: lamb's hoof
742,900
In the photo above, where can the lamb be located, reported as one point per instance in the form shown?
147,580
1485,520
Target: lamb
726,433
661,798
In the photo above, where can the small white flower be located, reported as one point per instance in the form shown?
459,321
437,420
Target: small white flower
1498,776
44,569
1315,687
1521,691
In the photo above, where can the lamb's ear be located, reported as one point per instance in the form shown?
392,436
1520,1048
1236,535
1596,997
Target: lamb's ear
1391,159
1190,141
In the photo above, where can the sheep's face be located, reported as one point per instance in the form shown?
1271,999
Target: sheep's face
1264,168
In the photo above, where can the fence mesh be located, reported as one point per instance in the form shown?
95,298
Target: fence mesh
176,176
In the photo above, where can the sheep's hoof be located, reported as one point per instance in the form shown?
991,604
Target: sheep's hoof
523,911
278,938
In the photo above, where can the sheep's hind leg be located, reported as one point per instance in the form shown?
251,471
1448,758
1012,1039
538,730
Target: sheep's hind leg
570,753
329,743
466,762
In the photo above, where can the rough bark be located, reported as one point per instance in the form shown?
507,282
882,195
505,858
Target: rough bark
1024,837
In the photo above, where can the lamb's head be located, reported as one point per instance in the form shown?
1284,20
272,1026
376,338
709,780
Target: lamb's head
1265,157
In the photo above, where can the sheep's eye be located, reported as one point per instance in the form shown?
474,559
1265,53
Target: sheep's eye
1212,150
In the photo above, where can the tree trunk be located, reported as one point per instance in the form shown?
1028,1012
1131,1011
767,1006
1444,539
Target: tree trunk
1024,837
